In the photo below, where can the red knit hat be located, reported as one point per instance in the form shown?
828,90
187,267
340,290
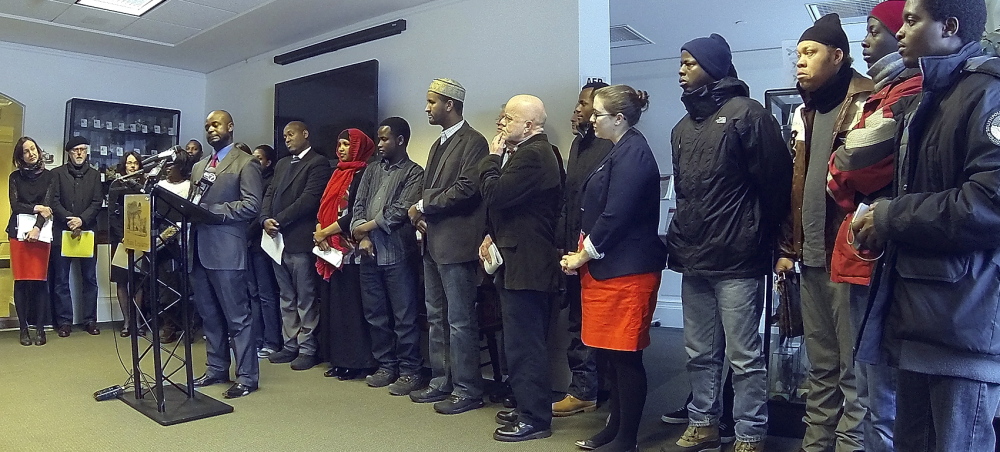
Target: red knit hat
890,13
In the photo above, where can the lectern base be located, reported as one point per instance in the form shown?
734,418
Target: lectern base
179,408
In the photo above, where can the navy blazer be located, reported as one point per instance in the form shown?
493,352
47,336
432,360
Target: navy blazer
621,211
236,197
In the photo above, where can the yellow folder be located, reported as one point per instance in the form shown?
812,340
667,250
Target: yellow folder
82,246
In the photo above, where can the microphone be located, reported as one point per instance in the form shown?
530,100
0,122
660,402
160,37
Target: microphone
207,179
168,154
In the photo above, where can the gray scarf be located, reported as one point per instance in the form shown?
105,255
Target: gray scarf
886,69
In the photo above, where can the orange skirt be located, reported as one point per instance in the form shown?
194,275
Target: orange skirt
29,261
617,311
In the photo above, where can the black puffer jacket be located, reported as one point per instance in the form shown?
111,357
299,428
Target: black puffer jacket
733,181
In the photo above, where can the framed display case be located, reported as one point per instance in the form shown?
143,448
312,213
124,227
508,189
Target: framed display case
114,129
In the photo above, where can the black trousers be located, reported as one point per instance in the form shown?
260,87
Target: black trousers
525,328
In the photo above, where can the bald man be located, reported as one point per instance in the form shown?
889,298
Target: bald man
219,262
290,207
522,191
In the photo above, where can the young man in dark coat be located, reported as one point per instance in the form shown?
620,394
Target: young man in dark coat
730,161
935,310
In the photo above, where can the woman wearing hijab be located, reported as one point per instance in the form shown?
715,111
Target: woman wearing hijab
344,329
30,196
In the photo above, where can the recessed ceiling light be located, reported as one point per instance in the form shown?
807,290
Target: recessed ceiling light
131,7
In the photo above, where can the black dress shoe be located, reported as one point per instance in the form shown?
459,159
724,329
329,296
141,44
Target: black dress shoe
206,380
238,390
92,329
348,374
506,417
332,372
283,356
25,338
64,330
40,336
589,444
520,432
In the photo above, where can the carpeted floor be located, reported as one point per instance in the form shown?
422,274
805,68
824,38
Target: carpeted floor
47,405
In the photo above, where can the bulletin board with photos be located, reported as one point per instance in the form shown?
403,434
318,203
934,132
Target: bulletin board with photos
114,129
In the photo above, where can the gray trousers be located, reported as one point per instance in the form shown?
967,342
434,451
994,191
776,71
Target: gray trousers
296,278
834,411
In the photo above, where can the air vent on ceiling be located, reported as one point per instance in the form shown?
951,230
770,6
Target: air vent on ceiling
850,11
626,36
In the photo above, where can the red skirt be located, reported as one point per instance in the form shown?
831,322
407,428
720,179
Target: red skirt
617,311
29,261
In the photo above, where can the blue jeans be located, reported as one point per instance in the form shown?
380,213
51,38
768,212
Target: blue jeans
62,303
581,358
264,301
721,321
453,336
876,386
940,413
389,297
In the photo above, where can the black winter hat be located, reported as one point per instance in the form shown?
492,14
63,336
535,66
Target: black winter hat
76,141
712,54
827,30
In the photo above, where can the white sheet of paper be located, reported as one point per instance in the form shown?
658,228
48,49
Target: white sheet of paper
273,246
335,257
27,221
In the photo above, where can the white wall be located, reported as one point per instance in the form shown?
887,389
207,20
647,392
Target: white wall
44,79
495,50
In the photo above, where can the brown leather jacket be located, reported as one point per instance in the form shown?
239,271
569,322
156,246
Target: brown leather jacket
790,246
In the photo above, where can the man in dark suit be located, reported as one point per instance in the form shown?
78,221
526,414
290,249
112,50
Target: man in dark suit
290,207
219,262
451,214
522,190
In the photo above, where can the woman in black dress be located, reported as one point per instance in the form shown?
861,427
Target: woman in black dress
130,163
30,196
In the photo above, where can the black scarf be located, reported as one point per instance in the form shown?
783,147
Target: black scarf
31,172
832,93
77,171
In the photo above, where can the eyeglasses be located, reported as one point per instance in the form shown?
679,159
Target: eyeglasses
598,115
79,150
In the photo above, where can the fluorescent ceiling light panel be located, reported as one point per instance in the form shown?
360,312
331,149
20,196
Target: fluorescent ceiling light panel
131,7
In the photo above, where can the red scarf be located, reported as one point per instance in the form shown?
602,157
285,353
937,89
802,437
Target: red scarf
334,204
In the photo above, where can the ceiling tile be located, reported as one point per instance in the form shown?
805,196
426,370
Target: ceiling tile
159,31
189,14
94,19
41,10
236,6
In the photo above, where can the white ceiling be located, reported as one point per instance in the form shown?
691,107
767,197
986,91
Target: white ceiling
197,35
746,24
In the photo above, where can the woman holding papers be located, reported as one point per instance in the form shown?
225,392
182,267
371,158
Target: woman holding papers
121,186
30,232
344,336
620,258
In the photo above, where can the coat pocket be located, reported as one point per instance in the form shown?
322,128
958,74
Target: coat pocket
931,267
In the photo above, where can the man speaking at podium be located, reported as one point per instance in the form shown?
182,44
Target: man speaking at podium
219,261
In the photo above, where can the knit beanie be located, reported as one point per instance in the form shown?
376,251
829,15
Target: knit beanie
76,141
890,13
712,54
827,30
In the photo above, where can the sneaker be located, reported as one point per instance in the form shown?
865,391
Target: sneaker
570,405
282,356
676,417
265,352
458,404
406,384
697,439
381,379
727,432
741,446
428,395
304,362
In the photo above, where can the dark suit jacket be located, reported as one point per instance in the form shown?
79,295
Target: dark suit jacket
523,199
292,199
456,219
621,211
235,196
